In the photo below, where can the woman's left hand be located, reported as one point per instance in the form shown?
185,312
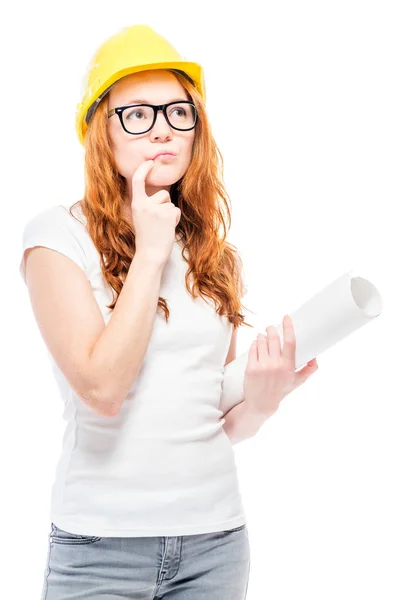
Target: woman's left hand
270,373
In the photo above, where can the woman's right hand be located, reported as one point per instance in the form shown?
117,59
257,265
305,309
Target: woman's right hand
154,217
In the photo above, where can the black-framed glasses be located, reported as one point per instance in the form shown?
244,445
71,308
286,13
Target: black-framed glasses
140,118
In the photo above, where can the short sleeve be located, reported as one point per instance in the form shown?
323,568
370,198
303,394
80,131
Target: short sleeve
53,228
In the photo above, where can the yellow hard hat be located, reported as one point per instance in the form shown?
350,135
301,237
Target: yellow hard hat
133,49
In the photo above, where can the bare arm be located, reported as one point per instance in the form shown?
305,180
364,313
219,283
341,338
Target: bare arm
240,423
99,361
117,356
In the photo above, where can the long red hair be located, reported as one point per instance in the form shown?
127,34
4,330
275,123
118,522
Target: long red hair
214,263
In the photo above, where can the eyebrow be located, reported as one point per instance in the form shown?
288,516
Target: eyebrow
141,101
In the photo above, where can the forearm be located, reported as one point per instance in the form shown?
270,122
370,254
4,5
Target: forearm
117,356
241,424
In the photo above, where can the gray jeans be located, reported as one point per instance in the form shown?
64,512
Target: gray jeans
206,566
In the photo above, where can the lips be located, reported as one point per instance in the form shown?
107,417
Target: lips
163,153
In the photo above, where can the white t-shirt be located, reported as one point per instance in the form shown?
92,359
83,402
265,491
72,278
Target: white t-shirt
163,466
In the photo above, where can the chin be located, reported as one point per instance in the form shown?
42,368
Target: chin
163,177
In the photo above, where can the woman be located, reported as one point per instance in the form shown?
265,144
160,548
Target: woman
137,295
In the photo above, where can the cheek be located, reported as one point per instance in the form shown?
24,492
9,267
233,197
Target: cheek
188,152
125,156
126,160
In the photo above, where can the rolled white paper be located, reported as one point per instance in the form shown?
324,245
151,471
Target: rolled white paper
340,308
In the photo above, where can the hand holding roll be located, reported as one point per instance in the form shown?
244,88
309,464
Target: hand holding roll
270,372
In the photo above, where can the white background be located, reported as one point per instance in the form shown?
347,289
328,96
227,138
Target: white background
314,184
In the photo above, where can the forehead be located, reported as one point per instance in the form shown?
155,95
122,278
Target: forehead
157,86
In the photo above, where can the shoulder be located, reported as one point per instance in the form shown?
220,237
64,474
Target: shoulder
56,216
55,228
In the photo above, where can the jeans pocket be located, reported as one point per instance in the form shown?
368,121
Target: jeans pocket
59,536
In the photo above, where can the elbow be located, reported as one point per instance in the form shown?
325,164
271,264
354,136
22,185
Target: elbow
107,410
105,407
112,409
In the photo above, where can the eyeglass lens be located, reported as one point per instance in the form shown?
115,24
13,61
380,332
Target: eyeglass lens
139,118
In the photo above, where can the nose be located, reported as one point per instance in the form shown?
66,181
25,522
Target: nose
161,125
